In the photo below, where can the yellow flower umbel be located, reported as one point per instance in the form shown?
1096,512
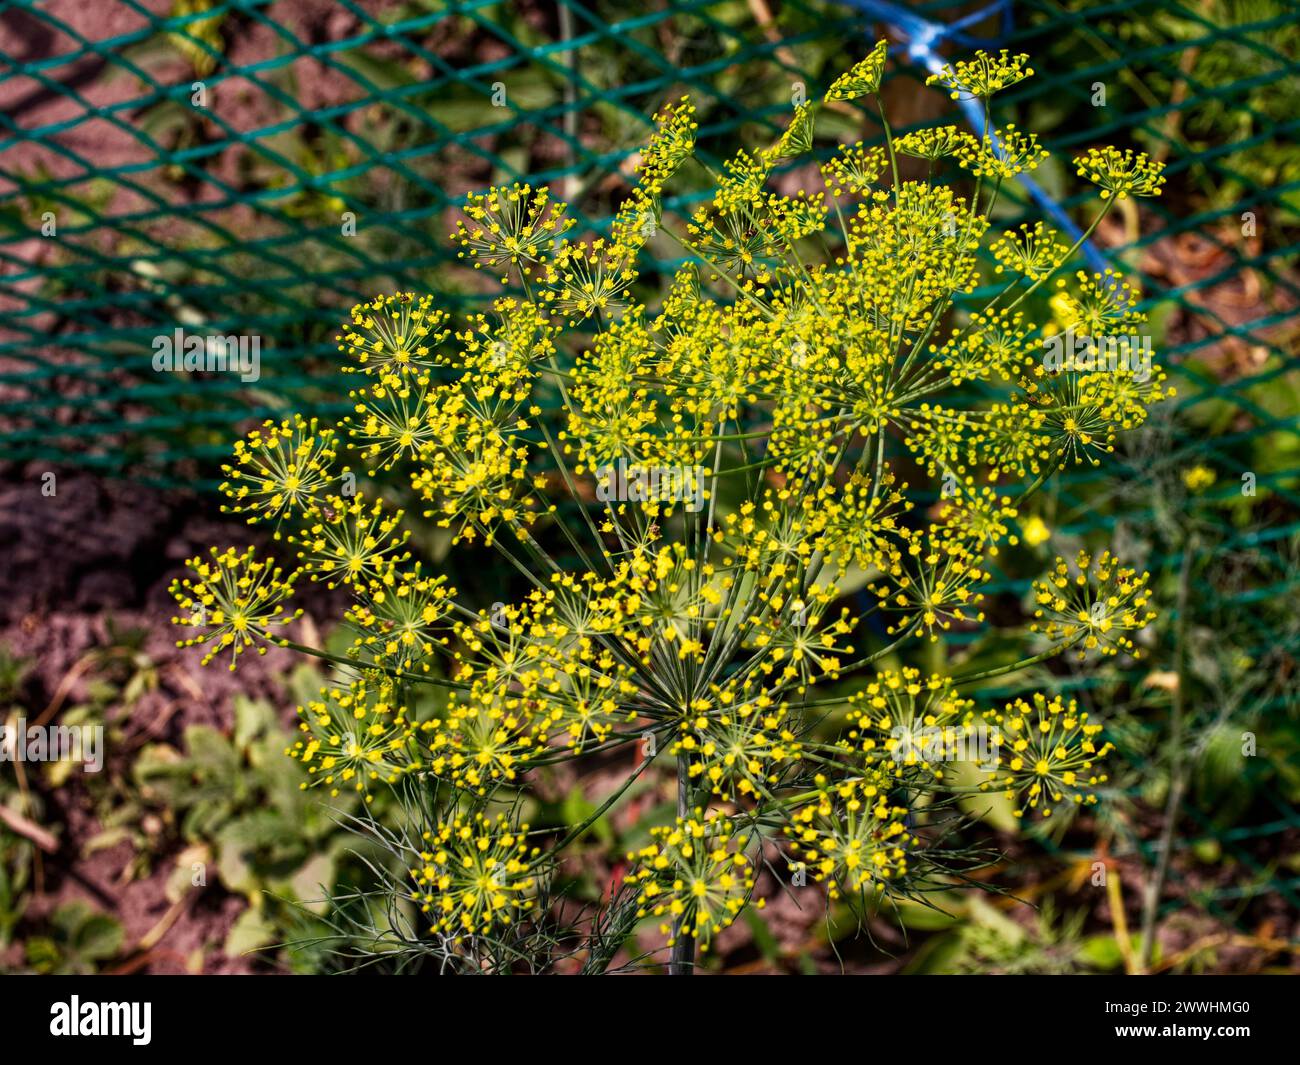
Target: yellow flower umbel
236,600
850,837
356,737
863,79
697,873
901,722
1049,755
739,749
1121,174
854,169
475,876
1093,606
982,76
1198,478
351,543
282,468
935,143
514,225
392,337
1013,153
1032,251
401,617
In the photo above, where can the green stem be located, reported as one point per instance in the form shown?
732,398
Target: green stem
682,960
1177,766
1024,663
1041,480
601,810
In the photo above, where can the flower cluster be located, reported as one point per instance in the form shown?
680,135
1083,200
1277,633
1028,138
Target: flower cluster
1011,153
475,875
850,837
982,76
698,491
1093,605
392,337
901,721
1050,755
356,736
697,873
236,601
280,469
515,225
1031,251
1121,174
863,79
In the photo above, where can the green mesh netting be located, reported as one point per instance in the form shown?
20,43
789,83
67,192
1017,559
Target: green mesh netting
235,217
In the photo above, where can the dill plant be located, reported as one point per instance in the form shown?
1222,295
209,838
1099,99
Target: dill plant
806,353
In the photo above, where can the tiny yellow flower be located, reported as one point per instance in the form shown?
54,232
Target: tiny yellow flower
1035,531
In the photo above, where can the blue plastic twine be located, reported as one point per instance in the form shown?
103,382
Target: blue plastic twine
923,37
